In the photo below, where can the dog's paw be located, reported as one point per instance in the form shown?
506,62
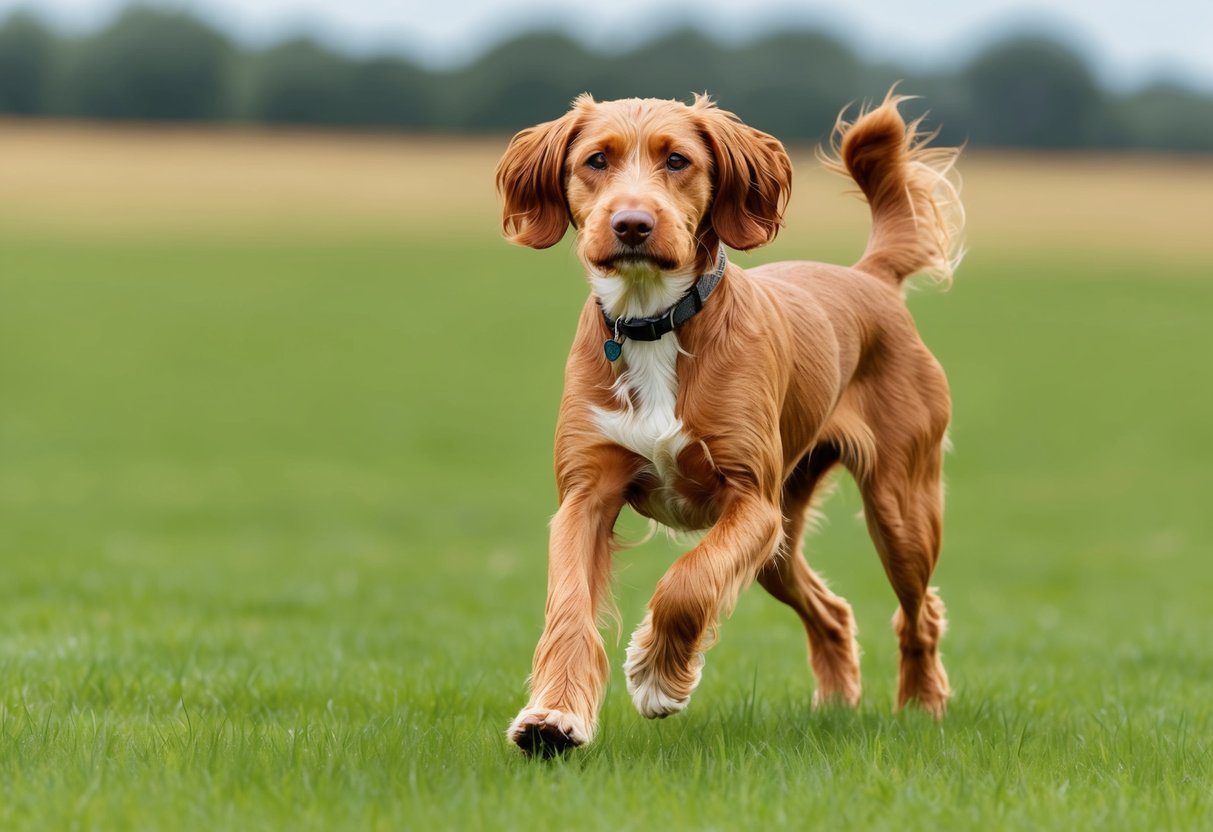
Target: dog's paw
927,687
838,680
836,697
655,696
548,732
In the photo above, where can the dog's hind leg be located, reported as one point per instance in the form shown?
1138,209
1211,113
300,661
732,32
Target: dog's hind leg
903,506
833,651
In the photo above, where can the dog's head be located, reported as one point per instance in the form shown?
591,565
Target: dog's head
651,186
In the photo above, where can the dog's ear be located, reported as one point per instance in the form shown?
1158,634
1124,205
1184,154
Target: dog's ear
753,178
530,179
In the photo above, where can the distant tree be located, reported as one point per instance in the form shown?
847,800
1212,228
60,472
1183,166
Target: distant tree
675,65
151,64
524,81
26,55
793,84
1166,116
942,99
301,81
1033,92
392,92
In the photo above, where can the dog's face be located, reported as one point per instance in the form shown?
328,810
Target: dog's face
638,179
651,186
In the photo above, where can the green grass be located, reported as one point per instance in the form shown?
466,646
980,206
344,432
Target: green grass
273,525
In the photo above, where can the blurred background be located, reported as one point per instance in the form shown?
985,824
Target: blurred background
275,454
1086,76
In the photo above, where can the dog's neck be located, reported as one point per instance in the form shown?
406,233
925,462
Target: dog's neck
639,291
642,295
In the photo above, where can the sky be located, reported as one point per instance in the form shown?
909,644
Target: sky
1128,42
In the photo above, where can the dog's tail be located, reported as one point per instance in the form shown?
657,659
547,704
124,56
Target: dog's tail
917,217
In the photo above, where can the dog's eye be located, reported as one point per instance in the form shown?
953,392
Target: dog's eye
677,162
598,161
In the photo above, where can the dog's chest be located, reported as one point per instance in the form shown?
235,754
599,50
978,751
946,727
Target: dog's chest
643,421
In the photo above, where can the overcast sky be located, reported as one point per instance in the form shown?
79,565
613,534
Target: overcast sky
1128,41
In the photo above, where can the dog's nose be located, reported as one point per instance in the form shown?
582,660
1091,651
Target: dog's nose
632,227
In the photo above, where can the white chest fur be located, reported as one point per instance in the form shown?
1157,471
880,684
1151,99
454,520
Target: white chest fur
644,421
643,418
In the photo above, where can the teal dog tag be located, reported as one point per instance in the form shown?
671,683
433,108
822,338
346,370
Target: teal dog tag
613,350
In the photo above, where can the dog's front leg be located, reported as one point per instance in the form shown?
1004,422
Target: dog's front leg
570,665
665,656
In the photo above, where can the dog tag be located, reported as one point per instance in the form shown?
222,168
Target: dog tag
613,350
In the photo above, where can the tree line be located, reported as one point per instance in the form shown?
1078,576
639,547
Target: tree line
150,64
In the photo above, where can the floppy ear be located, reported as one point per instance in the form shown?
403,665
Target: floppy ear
530,179
753,178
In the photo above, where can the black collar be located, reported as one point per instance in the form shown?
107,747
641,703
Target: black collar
652,328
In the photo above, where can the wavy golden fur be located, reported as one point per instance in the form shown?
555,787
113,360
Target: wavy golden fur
732,422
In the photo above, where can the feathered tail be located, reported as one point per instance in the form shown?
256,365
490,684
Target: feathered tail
917,217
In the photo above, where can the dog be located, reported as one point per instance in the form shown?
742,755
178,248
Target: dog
711,397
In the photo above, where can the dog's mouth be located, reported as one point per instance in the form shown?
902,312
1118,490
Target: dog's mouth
636,259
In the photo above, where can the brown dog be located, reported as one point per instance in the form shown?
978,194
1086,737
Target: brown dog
712,397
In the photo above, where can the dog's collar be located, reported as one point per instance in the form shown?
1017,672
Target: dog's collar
652,328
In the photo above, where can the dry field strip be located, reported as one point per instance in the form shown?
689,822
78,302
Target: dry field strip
69,179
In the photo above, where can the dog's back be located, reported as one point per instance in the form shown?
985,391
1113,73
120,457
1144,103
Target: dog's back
883,366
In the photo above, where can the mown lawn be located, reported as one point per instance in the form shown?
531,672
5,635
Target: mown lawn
273,523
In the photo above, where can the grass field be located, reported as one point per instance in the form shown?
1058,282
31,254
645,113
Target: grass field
275,475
